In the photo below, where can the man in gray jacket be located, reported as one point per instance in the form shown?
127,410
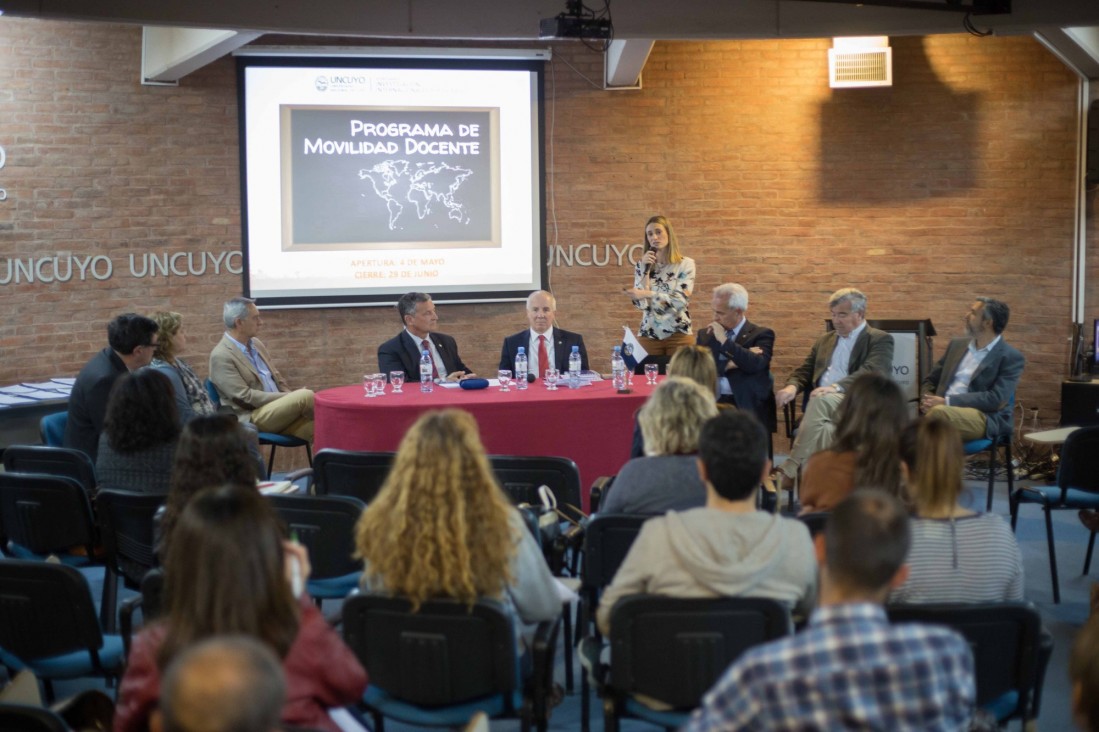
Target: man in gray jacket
726,548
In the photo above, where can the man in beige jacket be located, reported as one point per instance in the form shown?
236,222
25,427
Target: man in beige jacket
249,384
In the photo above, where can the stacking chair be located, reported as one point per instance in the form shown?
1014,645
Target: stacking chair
51,428
127,530
607,541
325,525
992,445
675,649
350,473
44,459
48,624
273,439
1004,638
521,477
438,666
1077,487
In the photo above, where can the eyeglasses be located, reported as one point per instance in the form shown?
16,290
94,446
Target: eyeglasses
149,345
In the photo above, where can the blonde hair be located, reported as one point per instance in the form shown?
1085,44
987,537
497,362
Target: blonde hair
697,364
935,480
168,324
440,526
674,255
672,418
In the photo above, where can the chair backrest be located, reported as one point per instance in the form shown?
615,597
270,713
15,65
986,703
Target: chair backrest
152,594
52,461
1004,638
675,649
1080,460
607,541
350,473
325,525
815,521
24,718
521,476
47,610
127,529
51,428
212,392
444,653
45,513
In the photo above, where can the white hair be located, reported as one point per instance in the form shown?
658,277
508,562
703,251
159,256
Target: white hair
734,295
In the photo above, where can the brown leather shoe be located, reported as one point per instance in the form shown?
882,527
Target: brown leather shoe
1090,519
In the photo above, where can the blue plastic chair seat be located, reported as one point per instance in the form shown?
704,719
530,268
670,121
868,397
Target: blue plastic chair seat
668,719
454,715
1050,495
975,446
72,665
331,588
21,552
274,438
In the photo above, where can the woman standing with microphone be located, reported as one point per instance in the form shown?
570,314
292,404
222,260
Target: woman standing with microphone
662,284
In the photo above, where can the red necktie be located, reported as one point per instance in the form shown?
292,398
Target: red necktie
543,357
427,347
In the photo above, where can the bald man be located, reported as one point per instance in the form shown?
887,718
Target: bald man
545,343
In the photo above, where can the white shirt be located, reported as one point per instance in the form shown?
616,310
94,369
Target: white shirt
841,357
439,367
968,366
532,352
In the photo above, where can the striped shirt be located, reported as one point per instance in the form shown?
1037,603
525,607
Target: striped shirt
848,670
968,559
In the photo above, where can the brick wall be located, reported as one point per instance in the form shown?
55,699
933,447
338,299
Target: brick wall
956,181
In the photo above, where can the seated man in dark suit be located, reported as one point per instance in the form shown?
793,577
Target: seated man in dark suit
132,341
973,383
545,343
402,352
742,351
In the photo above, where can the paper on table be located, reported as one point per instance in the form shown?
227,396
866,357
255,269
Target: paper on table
7,400
48,386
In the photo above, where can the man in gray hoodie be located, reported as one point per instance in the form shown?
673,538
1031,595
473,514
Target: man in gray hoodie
726,548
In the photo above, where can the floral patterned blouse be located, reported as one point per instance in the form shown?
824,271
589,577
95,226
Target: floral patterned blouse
665,313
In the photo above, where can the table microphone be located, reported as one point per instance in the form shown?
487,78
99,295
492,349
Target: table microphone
531,378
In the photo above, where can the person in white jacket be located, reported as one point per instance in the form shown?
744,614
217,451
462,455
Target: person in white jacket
727,548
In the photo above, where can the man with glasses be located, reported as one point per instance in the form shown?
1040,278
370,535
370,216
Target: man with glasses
836,359
132,340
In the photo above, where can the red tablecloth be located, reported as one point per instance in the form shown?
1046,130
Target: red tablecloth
591,425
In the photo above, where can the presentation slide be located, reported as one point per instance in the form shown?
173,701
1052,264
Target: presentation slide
362,182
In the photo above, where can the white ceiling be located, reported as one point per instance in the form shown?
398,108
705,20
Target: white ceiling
1065,21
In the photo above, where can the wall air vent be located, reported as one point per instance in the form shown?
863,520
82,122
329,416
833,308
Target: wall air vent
855,62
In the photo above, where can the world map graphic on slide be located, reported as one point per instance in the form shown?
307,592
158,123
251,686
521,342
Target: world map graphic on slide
431,190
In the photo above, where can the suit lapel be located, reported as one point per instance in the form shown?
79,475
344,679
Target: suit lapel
240,358
950,366
991,361
858,350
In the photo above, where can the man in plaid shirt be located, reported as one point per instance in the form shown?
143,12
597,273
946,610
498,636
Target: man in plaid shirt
851,669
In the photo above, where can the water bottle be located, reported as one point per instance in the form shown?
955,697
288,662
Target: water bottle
521,368
427,384
574,368
618,369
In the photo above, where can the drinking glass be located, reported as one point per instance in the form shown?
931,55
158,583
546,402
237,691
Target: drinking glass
379,384
368,385
396,378
550,379
504,376
651,370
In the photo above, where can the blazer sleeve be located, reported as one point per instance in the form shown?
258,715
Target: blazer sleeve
451,359
802,376
227,377
389,359
745,359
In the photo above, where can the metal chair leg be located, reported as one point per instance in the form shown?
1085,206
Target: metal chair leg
1052,555
1087,557
992,452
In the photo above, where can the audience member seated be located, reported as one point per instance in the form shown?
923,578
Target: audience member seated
229,683
230,570
212,451
191,396
694,363
247,381
1084,671
442,527
727,547
865,452
957,555
667,478
850,669
131,341
140,432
